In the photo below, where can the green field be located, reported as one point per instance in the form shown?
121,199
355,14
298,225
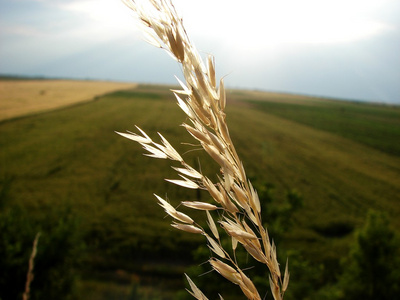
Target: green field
342,157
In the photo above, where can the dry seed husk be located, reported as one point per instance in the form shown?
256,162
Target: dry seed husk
134,137
198,135
274,289
187,183
214,153
236,231
226,202
248,229
217,142
286,277
255,252
215,247
215,194
187,228
195,290
212,225
155,153
222,94
189,171
170,151
249,286
254,199
211,70
169,209
226,271
199,205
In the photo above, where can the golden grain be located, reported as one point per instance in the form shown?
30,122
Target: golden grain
187,228
199,205
212,226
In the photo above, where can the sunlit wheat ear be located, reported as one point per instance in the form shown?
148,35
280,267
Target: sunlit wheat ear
204,101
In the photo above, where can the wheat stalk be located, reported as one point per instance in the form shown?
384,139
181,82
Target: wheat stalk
203,101
29,275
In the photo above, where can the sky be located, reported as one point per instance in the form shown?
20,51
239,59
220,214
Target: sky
348,49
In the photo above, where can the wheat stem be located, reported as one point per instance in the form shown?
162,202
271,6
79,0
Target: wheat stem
29,275
204,103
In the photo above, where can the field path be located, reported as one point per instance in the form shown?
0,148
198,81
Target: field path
24,97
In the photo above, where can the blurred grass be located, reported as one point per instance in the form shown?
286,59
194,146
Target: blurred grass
377,126
72,157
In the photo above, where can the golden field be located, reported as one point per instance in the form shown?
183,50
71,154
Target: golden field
23,97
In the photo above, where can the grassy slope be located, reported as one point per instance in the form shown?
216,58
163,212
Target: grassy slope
377,126
339,178
72,157
306,142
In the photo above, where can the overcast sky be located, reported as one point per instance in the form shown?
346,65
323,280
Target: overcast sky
343,48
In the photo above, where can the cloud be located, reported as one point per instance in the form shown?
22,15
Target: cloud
98,19
335,48
268,23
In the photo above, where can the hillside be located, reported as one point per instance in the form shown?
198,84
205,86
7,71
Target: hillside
70,160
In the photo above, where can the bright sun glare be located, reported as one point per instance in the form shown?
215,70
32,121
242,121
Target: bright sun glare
267,22
258,23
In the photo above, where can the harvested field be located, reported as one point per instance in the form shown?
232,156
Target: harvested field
24,97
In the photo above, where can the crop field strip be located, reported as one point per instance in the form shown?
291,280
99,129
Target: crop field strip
22,97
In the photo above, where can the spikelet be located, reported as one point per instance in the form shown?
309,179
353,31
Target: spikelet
195,290
199,205
189,171
187,183
169,209
187,228
212,225
169,150
215,247
286,277
211,70
226,271
248,287
235,231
